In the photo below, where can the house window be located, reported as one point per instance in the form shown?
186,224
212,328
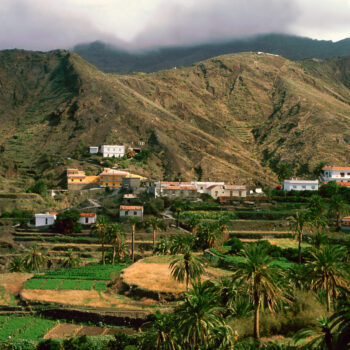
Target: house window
342,174
294,186
86,220
313,187
135,213
216,193
81,180
304,187
126,213
46,221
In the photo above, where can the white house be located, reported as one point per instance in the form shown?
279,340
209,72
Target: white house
87,218
46,219
300,185
336,173
128,211
116,151
93,150
202,186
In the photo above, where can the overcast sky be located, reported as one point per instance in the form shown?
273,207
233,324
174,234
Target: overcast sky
50,24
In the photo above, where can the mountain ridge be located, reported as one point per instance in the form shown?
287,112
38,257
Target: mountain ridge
234,117
117,60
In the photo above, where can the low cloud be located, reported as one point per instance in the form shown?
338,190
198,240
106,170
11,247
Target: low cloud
38,25
206,20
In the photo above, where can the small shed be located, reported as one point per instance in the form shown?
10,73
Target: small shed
93,149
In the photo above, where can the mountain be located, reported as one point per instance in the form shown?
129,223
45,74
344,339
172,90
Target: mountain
113,60
234,117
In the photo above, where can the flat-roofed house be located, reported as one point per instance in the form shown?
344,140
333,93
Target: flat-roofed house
128,211
46,219
116,151
300,185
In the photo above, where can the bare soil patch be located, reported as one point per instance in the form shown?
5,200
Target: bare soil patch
63,330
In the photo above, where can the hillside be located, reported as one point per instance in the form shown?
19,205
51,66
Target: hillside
233,117
117,60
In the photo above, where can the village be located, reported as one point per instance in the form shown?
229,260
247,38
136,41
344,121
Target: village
104,265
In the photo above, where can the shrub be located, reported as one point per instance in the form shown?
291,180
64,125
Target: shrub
49,344
235,245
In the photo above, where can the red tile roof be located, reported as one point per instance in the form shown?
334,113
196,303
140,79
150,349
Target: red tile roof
181,188
336,167
87,215
131,207
53,213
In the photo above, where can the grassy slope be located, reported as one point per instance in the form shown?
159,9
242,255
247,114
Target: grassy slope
223,115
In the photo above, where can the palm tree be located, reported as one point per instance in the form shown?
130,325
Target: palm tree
181,243
200,322
160,332
35,259
208,233
101,229
133,221
154,223
328,271
71,259
341,325
338,208
193,223
187,267
117,239
17,264
260,279
322,338
298,224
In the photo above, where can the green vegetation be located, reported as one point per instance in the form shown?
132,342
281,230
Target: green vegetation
87,272
26,327
34,283
100,286
85,285
68,284
51,285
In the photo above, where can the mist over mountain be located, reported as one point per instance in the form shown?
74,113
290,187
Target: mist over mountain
115,60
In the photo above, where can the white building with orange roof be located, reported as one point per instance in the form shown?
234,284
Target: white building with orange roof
128,211
87,218
336,173
46,219
345,225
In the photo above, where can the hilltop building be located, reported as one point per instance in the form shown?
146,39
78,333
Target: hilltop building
116,151
300,185
221,191
340,174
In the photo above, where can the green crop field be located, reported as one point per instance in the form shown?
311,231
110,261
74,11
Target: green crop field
30,328
68,284
210,215
51,284
85,285
100,286
87,272
34,283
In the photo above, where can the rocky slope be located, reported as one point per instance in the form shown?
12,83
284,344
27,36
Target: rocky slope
233,117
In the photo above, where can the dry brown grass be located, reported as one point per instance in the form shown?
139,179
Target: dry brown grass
82,298
152,276
11,284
